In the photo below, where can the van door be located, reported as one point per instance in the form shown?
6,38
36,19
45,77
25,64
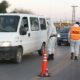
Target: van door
25,35
35,32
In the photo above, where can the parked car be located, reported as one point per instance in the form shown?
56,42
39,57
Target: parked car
63,36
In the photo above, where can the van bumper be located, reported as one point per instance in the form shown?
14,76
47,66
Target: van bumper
8,53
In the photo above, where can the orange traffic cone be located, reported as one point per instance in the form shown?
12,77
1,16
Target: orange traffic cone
44,72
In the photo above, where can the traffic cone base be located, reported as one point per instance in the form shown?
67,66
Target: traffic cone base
45,75
44,72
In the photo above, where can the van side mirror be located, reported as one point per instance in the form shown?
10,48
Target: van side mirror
22,30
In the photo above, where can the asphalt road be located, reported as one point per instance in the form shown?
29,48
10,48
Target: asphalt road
62,68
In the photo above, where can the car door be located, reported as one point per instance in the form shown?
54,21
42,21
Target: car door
25,38
35,35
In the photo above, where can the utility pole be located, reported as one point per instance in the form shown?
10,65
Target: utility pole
73,13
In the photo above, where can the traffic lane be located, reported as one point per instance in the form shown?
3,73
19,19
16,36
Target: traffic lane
65,69
62,57
62,54
29,68
70,72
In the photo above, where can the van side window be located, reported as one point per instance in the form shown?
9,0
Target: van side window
42,23
34,23
24,22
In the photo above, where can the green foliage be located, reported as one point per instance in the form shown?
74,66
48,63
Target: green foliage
3,6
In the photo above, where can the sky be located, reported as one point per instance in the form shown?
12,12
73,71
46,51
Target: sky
56,9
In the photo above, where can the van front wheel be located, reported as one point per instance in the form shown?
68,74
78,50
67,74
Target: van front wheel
18,56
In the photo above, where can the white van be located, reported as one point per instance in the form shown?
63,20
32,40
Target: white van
21,34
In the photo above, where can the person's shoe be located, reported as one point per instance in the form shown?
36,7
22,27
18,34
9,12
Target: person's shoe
52,56
72,55
49,57
76,58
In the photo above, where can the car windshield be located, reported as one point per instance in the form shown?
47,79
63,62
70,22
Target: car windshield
8,23
65,30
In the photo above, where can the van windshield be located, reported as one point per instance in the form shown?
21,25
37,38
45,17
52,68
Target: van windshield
65,30
8,23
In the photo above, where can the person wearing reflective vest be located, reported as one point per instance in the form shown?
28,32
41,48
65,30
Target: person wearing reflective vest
75,40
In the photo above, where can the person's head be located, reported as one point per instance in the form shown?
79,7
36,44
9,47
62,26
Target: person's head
77,23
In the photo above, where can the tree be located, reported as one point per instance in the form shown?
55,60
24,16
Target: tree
3,6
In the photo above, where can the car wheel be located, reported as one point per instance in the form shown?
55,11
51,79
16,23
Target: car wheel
18,56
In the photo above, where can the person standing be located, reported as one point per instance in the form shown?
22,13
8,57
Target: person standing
75,40
52,38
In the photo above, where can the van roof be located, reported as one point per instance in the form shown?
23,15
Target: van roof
21,14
